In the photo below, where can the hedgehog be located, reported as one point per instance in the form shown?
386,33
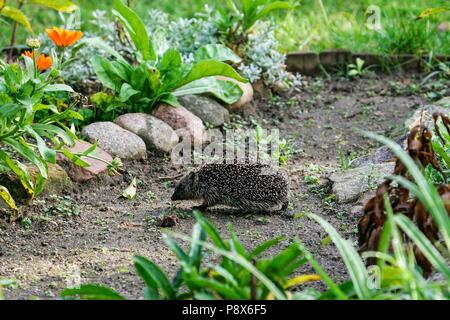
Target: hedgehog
248,187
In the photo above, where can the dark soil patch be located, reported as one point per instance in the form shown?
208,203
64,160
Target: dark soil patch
94,232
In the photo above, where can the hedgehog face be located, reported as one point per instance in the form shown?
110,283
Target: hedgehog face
184,188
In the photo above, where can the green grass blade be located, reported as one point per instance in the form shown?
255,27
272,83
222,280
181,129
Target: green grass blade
350,256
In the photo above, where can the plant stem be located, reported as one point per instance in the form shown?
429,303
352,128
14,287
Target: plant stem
13,35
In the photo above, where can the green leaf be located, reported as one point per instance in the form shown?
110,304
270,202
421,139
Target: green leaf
58,87
59,5
8,199
20,171
264,247
153,276
136,29
47,154
226,91
171,59
92,292
216,52
350,256
422,242
208,68
25,151
182,256
210,230
126,92
102,67
75,159
16,15
195,254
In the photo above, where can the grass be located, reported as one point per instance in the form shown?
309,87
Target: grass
341,24
315,25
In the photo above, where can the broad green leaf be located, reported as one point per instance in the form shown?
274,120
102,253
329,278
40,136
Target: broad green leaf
216,52
47,154
20,171
102,69
171,59
136,29
6,196
16,15
92,292
208,68
153,276
21,147
126,92
59,5
226,91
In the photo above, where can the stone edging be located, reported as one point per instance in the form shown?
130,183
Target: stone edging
311,63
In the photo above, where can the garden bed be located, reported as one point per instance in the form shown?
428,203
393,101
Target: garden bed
91,228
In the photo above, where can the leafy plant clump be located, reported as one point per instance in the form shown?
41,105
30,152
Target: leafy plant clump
161,78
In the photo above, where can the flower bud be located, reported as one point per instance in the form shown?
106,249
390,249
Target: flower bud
34,43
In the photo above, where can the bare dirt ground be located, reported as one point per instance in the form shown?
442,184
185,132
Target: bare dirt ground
96,233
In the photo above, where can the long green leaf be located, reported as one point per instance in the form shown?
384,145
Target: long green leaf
136,29
350,256
425,245
92,292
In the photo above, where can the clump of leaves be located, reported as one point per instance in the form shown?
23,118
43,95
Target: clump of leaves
62,206
161,78
240,274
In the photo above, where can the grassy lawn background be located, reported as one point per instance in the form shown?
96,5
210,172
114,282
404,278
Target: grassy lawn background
338,24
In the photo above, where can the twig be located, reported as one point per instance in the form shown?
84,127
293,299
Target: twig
171,177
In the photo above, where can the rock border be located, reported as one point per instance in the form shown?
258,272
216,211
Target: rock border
311,63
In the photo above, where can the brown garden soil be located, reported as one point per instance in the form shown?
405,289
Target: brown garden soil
102,239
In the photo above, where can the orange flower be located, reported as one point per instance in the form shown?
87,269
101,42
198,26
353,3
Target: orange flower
43,62
63,38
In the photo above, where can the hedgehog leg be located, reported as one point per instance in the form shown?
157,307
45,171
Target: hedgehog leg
206,204
285,205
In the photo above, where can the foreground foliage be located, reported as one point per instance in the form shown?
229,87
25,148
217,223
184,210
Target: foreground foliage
156,78
396,275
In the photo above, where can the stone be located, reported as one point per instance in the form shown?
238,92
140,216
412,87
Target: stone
57,182
303,62
349,185
182,120
95,168
380,155
156,133
424,116
207,109
247,95
116,140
